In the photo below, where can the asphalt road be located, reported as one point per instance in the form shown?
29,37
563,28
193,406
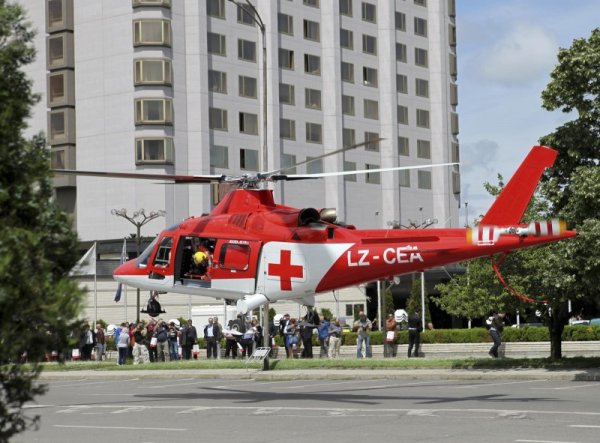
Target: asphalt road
159,410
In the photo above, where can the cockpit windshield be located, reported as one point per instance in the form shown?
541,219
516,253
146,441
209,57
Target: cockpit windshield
142,260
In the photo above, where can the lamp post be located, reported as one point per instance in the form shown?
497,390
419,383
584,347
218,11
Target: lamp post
250,9
138,219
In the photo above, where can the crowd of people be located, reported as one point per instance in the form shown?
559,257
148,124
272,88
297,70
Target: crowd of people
160,341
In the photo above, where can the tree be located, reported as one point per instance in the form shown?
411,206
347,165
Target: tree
38,302
413,304
573,183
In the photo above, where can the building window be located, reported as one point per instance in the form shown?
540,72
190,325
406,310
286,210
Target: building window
372,177
369,12
313,3
312,98
420,27
216,44
246,50
421,87
314,166
285,24
347,104
312,30
61,88
350,166
402,114
247,86
371,109
244,17
215,8
286,58
452,35
61,126
424,179
153,111
287,163
59,15
403,146
401,52
346,39
424,149
452,64
454,123
217,81
217,119
219,157
369,44
151,32
374,146
402,83
152,72
455,182
249,159
455,153
422,118
314,133
400,19
248,123
287,129
453,94
370,76
348,137
347,72
154,150
346,7
165,3
404,179
58,159
421,2
287,95
421,58
60,50
312,64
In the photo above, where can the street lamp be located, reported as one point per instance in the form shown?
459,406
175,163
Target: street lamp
250,9
138,219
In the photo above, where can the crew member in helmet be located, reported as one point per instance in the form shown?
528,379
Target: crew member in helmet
200,263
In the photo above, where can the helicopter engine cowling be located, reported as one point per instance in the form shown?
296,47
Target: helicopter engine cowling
307,216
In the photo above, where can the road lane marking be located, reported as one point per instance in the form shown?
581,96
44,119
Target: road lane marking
127,428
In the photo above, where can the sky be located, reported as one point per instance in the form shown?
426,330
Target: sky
506,52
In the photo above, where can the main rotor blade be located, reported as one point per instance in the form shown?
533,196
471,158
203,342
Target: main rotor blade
278,172
291,177
144,176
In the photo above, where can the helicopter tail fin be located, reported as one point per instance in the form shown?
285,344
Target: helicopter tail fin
511,203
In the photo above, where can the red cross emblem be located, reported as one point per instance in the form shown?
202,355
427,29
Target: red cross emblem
285,270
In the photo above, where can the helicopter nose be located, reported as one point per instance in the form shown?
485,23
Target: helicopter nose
126,271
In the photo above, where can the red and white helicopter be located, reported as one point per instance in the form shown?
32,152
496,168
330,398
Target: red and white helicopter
254,251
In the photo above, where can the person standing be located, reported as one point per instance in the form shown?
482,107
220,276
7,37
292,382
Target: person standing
389,349
335,334
123,344
173,342
211,332
307,325
415,327
323,331
100,342
150,330
219,336
162,339
86,343
140,352
189,337
363,326
496,328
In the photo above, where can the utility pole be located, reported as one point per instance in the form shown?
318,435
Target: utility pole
138,219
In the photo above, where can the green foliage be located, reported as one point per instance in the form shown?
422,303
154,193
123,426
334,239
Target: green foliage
38,302
327,313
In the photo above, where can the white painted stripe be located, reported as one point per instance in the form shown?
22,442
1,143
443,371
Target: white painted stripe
483,385
128,428
545,441
585,426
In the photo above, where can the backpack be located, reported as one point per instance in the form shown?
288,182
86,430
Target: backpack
162,335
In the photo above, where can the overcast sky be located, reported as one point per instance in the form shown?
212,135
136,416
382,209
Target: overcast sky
506,51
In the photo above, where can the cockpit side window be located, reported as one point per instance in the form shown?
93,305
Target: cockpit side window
163,255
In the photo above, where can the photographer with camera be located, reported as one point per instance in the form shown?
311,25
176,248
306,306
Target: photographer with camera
363,327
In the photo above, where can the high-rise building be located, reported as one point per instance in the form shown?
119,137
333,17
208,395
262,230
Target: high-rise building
176,86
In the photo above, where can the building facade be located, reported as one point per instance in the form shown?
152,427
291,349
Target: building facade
176,86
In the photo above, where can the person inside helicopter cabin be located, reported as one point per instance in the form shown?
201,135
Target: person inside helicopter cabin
201,260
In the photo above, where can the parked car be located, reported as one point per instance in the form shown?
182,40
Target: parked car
595,321
528,325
